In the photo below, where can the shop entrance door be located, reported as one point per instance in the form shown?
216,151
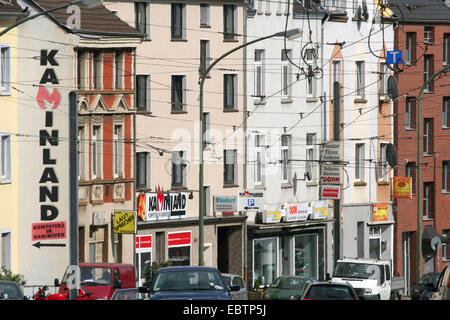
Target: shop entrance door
229,249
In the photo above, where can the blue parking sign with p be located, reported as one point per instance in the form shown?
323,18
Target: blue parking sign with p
394,57
251,202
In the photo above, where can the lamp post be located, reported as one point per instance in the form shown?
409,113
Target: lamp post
419,171
290,34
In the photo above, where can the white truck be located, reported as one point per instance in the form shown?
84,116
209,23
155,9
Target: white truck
371,278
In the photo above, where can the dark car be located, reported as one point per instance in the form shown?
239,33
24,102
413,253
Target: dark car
189,283
287,288
419,289
10,290
329,291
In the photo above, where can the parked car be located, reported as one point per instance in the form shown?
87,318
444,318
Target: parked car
128,294
287,288
10,290
442,290
100,280
329,291
189,283
236,280
419,289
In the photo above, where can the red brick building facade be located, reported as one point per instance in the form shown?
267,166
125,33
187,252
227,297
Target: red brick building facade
423,38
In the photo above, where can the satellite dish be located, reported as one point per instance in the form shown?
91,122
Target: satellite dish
392,87
359,13
391,155
365,11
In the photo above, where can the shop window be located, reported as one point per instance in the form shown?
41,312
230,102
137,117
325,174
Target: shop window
375,242
143,256
265,266
179,245
306,257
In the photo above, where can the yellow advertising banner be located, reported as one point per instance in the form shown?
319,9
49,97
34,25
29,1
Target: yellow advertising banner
380,212
402,187
124,222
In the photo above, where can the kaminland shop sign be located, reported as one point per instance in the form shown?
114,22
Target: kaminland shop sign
165,205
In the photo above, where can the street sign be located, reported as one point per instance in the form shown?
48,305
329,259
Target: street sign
331,192
330,174
250,199
48,231
124,222
394,57
331,152
225,203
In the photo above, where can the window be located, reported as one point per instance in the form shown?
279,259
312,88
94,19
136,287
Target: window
383,173
265,260
142,18
268,6
311,153
5,85
285,158
229,22
230,91
286,73
179,248
230,167
143,170
446,49
97,70
143,256
310,55
428,72
179,169
259,160
446,246
178,93
119,68
410,171
411,43
205,58
96,152
428,200
143,92
5,158
206,130
204,15
410,113
117,151
428,35
359,161
374,242
360,83
306,256
80,153
446,112
428,136
5,258
178,26
384,75
259,74
446,176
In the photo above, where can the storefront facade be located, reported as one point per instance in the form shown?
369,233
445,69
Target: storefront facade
282,245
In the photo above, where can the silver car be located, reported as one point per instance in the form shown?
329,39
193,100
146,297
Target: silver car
236,280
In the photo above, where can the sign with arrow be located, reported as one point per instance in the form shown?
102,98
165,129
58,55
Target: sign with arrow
39,244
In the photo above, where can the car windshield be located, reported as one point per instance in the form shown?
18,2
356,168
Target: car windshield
9,291
187,280
358,270
127,294
93,276
287,283
329,292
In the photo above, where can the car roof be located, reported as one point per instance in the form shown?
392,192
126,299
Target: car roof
232,275
7,281
343,284
188,268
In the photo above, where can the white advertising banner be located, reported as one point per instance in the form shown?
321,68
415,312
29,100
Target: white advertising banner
320,209
225,203
297,211
272,214
250,199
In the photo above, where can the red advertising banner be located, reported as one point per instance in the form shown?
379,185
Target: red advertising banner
48,231
179,239
331,192
402,187
143,242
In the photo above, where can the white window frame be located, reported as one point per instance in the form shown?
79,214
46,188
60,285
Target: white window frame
174,103
183,21
384,72
446,48
408,113
311,153
205,9
82,72
230,79
277,254
227,153
139,252
81,151
147,79
97,147
5,252
383,170
230,35
146,18
119,69
426,198
445,112
286,73
205,61
408,49
5,144
206,130
445,174
427,61
258,167
259,73
5,69
360,79
359,162
310,81
286,151
426,135
375,234
118,150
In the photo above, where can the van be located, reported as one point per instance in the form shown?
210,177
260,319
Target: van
100,280
442,289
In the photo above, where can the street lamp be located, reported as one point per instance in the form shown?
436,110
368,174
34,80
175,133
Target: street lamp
290,34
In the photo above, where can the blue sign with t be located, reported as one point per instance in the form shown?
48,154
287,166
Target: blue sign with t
394,57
